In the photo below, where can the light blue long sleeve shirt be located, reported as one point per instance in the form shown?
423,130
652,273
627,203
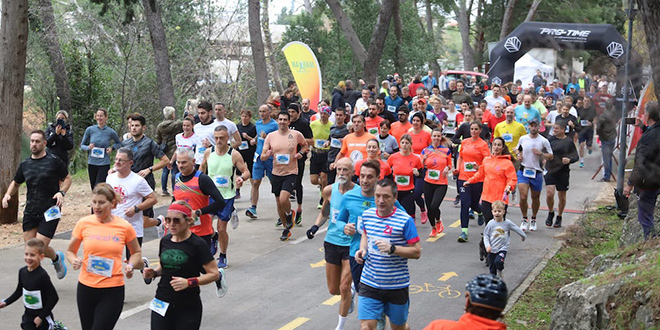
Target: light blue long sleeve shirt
101,138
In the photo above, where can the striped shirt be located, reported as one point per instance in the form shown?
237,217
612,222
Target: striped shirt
382,270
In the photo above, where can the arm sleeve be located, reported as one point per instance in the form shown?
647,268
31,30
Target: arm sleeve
410,232
343,213
115,138
547,146
19,177
84,144
515,228
50,135
159,135
17,293
487,231
512,178
572,153
49,295
207,187
156,150
477,177
67,139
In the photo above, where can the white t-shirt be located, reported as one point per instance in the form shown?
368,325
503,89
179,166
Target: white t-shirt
132,189
492,100
231,127
206,131
192,142
530,160
360,105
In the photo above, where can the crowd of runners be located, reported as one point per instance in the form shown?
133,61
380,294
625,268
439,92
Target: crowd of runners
375,157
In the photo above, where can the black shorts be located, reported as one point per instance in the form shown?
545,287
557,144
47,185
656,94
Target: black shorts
396,296
559,179
286,183
318,163
334,254
44,228
587,135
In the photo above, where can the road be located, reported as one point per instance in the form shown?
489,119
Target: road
281,285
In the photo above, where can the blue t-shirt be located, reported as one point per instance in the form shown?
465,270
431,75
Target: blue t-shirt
335,234
392,105
266,128
383,270
524,115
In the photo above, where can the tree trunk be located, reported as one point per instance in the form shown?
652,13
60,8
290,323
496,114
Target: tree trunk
507,21
479,41
269,46
430,34
650,14
349,33
52,45
375,51
463,18
13,55
398,32
532,10
161,53
308,7
257,47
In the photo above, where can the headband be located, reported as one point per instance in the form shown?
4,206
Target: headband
181,209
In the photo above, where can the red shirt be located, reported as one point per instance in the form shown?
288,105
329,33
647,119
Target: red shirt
373,124
385,169
420,141
402,168
398,129
435,162
472,154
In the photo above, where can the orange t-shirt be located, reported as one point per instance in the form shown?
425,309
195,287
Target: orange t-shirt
436,161
284,149
355,147
373,124
496,172
385,169
103,249
420,141
472,154
402,169
467,321
398,129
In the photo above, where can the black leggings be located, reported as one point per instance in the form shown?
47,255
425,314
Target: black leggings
97,174
470,196
419,189
186,315
128,252
434,194
99,308
407,200
487,208
299,178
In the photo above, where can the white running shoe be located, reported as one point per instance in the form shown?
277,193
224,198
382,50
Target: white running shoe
532,226
234,220
524,225
161,228
352,308
221,284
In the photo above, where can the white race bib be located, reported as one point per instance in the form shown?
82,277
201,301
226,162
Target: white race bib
97,152
373,131
391,108
568,128
470,166
32,299
433,174
100,266
451,123
373,248
159,306
508,137
584,122
197,221
319,143
334,213
283,159
221,181
244,146
335,143
356,155
529,173
53,213
358,226
402,180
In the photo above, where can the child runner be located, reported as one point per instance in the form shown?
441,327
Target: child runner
496,238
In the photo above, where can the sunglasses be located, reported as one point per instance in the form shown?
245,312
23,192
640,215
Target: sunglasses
174,220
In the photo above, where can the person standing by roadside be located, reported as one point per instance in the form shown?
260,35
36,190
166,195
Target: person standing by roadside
96,142
606,130
60,137
166,138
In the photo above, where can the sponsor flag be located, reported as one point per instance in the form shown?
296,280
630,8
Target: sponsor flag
305,69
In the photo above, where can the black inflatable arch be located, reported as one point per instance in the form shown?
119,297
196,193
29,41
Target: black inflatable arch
602,37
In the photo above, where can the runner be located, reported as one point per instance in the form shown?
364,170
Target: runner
373,120
526,113
265,125
402,126
318,164
388,143
531,150
248,146
496,238
96,142
337,133
421,139
336,244
100,293
188,139
510,130
47,180
405,167
301,125
283,145
437,162
354,145
586,137
220,162
182,255
373,153
391,238
558,175
471,156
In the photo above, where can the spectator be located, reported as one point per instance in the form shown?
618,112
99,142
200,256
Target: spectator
429,81
166,138
338,100
351,95
60,137
606,130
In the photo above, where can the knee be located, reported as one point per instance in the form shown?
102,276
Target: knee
345,289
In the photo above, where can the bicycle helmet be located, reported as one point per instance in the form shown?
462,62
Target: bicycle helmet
487,291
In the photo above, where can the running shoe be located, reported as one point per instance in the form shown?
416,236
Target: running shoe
457,200
424,217
289,220
532,225
480,219
352,308
161,229
292,197
214,243
471,213
463,237
320,206
285,235
251,212
590,150
299,219
500,274
147,281
278,223
548,220
581,164
434,232
439,226
524,225
59,265
221,284
222,261
234,220
557,222
164,193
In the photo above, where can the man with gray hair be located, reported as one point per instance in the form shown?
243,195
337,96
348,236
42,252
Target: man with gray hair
166,138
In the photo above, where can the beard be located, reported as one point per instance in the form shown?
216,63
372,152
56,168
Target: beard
342,180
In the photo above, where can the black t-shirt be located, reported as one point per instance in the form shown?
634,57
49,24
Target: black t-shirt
564,121
42,177
181,259
144,152
307,115
39,292
561,148
301,125
336,132
587,113
251,130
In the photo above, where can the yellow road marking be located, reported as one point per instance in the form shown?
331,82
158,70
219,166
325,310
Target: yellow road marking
446,276
318,264
332,301
295,323
455,224
433,239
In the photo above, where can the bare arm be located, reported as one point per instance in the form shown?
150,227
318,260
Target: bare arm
202,167
11,190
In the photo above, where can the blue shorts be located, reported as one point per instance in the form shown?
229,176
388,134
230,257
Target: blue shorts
372,309
535,183
262,168
225,213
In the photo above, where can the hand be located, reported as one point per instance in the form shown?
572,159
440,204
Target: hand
149,273
239,181
128,269
112,170
536,151
565,160
415,172
130,212
488,249
144,172
3,304
63,131
311,232
519,157
445,172
263,135
245,135
76,263
108,150
385,155
91,146
465,184
37,321
297,155
507,190
383,246
627,190
349,229
326,144
455,172
169,166
179,283
570,123
58,196
269,153
332,166
639,122
58,129
360,255
5,201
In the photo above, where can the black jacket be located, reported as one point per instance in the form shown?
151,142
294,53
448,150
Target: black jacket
351,96
337,99
646,171
59,145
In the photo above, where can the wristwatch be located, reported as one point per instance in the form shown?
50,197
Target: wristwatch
198,213
136,209
392,248
62,192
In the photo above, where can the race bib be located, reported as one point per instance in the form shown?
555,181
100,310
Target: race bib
451,123
568,128
201,150
334,213
373,131
402,180
529,173
319,143
358,226
584,122
433,174
356,155
197,221
100,266
97,152
32,299
244,146
508,137
335,143
221,181
373,248
53,213
391,108
283,159
470,166
159,306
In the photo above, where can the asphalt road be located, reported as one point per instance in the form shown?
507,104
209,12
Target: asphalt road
281,285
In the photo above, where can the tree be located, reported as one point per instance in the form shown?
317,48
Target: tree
650,13
430,35
269,46
257,46
462,12
13,52
161,53
507,20
532,10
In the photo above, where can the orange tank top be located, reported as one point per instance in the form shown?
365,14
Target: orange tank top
190,192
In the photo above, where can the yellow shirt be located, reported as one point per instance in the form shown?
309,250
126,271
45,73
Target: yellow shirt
511,133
